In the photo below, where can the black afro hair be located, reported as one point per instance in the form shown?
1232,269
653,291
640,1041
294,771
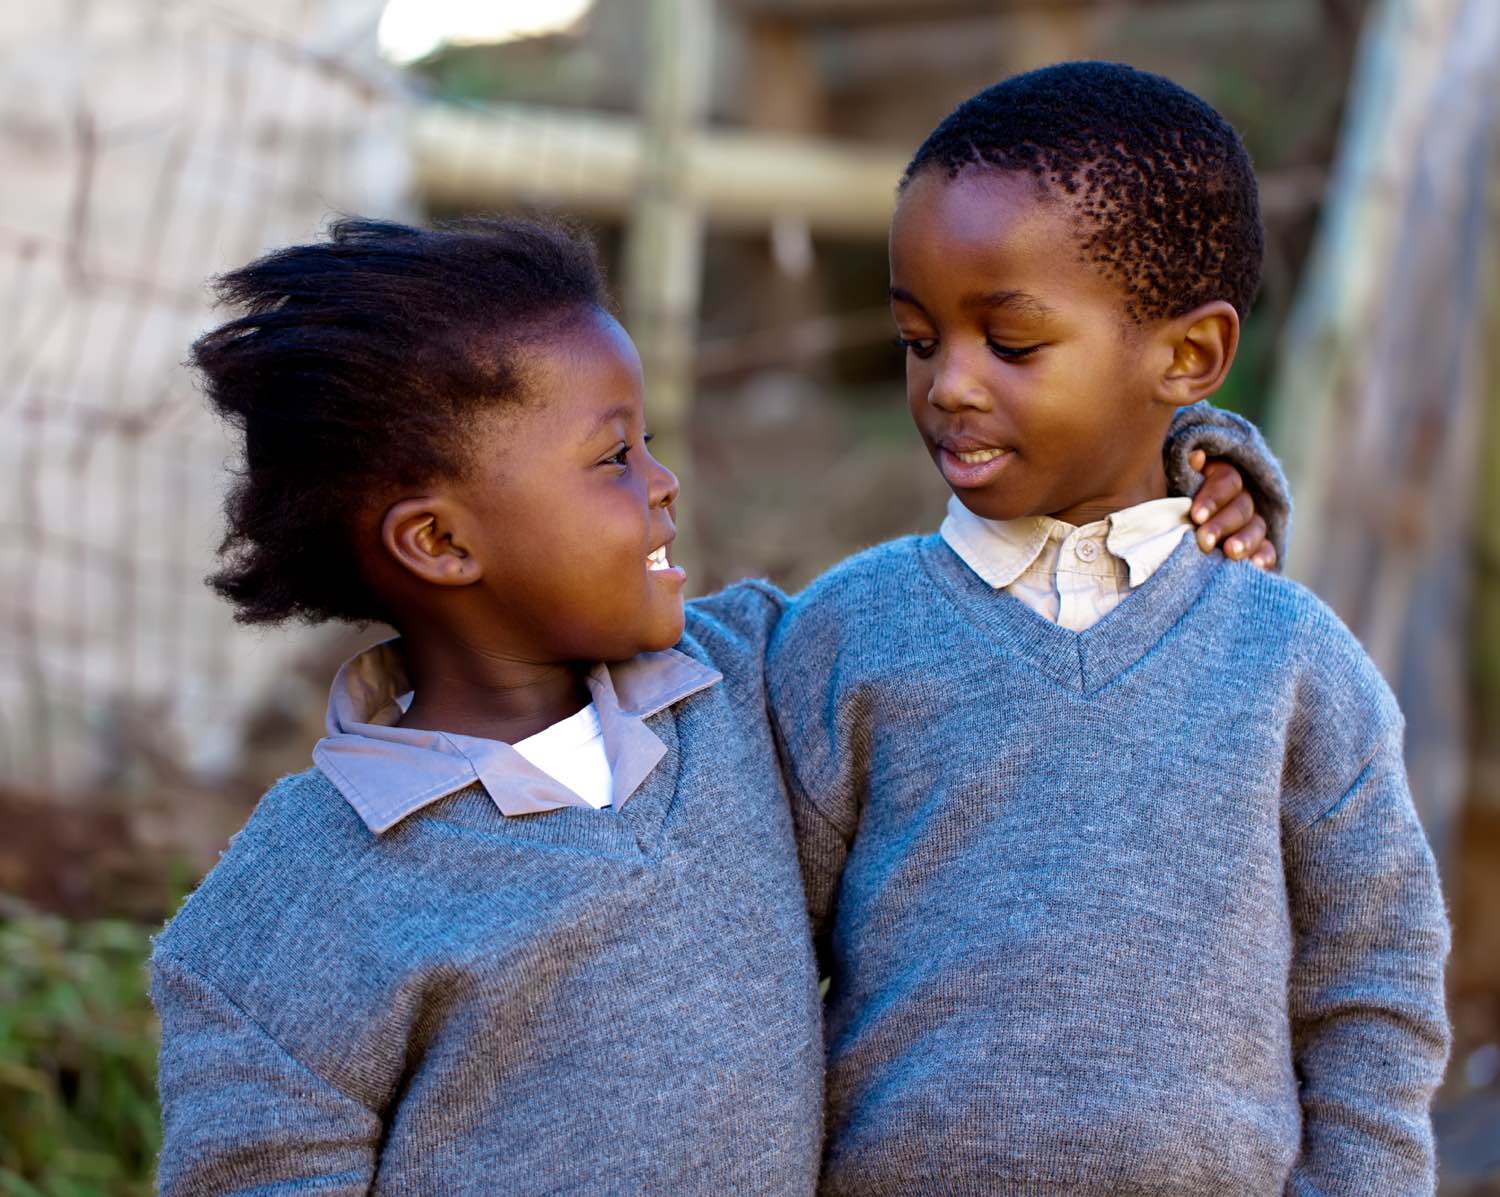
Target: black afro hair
1163,186
357,365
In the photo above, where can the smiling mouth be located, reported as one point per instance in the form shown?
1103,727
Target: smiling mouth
980,456
972,466
657,559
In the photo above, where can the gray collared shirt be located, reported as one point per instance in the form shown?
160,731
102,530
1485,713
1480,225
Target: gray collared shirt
387,772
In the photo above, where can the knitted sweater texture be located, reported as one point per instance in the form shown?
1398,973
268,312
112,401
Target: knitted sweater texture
576,1001
1144,909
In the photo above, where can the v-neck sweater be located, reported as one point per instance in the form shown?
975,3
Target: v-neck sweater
612,1001
1140,909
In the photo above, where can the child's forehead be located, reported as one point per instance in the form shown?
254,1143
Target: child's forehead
587,341
579,367
983,207
985,233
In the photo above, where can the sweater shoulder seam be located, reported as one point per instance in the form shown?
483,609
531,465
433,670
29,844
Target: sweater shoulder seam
1367,767
817,807
203,978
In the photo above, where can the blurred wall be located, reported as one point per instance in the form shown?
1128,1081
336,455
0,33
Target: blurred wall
146,146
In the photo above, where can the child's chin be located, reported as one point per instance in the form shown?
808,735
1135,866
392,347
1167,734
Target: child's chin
675,635
990,506
666,634
653,636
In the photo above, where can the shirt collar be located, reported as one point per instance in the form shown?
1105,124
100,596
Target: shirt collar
388,772
1000,551
1145,535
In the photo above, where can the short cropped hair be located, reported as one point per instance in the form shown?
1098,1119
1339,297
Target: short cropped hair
1162,184
356,365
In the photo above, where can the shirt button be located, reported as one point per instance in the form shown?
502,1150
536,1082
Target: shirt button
1087,550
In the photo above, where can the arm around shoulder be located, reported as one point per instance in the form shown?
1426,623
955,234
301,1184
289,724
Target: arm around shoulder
733,627
822,735
240,1113
1370,1034
1232,438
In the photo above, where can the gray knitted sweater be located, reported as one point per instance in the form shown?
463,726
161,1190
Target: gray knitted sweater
576,1001
1090,929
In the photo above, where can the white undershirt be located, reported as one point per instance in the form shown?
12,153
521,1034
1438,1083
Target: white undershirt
572,751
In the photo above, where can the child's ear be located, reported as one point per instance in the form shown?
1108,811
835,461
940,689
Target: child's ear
423,537
1203,344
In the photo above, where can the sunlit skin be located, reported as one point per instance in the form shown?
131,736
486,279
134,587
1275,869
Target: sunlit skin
511,580
1032,389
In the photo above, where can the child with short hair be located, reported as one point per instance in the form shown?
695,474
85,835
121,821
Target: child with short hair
1085,937
534,923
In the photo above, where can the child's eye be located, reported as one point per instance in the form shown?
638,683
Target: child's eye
1012,353
922,347
620,455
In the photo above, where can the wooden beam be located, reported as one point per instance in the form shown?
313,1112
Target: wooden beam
885,12
784,83
664,242
590,163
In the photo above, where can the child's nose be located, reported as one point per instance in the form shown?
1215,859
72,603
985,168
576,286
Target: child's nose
956,388
663,487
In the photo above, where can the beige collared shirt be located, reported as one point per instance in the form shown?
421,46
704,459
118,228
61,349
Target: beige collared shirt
386,772
1072,576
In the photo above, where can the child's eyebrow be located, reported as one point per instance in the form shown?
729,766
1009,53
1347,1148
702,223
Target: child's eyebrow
621,411
900,296
1021,302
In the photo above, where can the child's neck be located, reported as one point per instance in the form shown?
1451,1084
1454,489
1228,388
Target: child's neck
473,690
1150,484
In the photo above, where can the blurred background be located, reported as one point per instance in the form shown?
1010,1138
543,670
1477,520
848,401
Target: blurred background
736,160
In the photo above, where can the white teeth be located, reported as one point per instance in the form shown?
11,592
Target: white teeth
658,559
979,456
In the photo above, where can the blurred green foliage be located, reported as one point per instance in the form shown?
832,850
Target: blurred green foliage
77,1058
